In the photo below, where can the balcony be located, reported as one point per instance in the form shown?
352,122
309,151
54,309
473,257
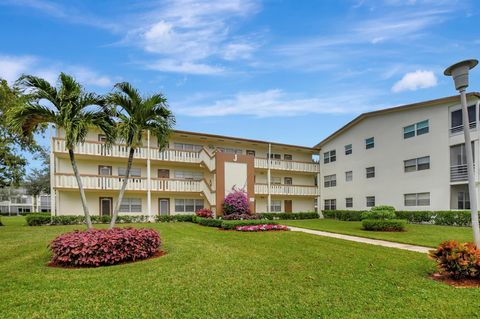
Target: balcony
306,167
283,189
459,128
458,173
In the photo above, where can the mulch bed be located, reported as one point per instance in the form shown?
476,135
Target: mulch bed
158,254
457,283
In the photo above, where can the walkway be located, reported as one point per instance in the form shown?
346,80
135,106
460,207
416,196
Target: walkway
384,243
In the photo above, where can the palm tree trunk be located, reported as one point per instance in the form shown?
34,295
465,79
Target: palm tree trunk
80,187
124,186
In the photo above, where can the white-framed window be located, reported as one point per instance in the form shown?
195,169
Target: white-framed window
348,149
330,180
191,175
276,180
370,172
370,201
330,156
330,204
131,205
463,200
416,129
276,206
348,176
417,164
417,199
456,119
287,157
251,152
187,147
369,143
188,205
288,181
349,202
230,150
276,156
134,171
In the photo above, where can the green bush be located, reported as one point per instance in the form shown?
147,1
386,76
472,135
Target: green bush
210,222
383,208
345,215
231,224
453,218
384,224
378,214
174,218
300,215
68,220
1,224
416,216
38,219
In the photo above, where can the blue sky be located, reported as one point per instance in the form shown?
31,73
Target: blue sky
287,71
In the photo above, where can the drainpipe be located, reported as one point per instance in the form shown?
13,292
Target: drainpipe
149,192
269,200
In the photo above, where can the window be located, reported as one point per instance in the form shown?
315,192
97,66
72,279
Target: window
189,175
330,156
276,180
104,170
230,150
456,119
188,205
276,206
330,180
416,129
417,164
187,147
370,143
370,172
348,176
348,149
276,156
330,204
287,157
251,152
349,202
131,205
370,201
288,181
418,199
134,171
102,138
463,200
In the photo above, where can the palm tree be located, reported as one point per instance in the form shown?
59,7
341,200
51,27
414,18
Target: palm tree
70,108
135,115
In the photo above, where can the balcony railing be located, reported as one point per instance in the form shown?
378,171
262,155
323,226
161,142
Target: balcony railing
459,128
100,182
458,173
275,164
283,189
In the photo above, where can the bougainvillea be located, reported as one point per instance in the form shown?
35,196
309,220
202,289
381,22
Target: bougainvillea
236,203
99,247
263,227
204,212
458,260
241,216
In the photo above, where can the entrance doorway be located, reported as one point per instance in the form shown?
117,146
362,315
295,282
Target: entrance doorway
288,206
163,206
106,206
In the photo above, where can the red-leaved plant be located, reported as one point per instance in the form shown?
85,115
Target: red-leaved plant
458,260
99,247
264,227
204,212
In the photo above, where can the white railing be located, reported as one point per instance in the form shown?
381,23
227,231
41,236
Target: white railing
178,185
458,173
100,182
459,128
99,149
171,155
282,189
287,165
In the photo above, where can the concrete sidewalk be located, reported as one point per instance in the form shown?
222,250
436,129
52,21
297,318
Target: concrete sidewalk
384,243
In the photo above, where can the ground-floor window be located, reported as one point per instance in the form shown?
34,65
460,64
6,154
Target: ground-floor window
349,202
330,204
463,200
131,205
417,199
276,206
188,205
370,201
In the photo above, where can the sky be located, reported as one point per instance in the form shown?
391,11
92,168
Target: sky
286,71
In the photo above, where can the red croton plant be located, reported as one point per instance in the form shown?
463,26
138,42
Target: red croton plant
458,260
100,247
204,212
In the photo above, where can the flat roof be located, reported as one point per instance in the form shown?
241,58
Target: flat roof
400,108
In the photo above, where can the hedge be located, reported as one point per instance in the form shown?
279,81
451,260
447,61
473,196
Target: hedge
384,224
346,215
174,218
38,219
231,224
301,215
210,222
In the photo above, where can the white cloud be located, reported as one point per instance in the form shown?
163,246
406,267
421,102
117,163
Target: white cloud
412,81
276,103
170,65
11,67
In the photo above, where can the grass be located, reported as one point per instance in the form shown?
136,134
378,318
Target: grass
208,273
422,235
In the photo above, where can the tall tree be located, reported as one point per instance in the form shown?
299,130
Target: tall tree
69,108
38,181
135,115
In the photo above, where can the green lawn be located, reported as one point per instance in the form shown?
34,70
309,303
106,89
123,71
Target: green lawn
208,273
423,235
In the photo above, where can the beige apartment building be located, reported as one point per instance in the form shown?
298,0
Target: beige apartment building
196,170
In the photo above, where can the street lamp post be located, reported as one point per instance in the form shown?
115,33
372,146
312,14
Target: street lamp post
459,72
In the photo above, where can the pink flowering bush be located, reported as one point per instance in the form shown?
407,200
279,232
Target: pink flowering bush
204,212
236,203
100,247
263,227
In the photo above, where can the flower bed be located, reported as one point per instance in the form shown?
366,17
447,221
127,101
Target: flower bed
262,227
457,260
101,247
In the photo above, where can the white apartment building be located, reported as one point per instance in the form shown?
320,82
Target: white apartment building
196,170
411,157
15,201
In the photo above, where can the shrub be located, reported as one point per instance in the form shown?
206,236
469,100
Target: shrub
204,212
457,260
241,217
68,220
1,224
236,203
99,247
174,218
301,215
453,218
232,224
211,222
384,224
345,215
263,227
416,216
383,208
38,219
378,214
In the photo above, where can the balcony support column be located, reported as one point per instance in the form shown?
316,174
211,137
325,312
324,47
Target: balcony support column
319,186
149,180
53,195
269,196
